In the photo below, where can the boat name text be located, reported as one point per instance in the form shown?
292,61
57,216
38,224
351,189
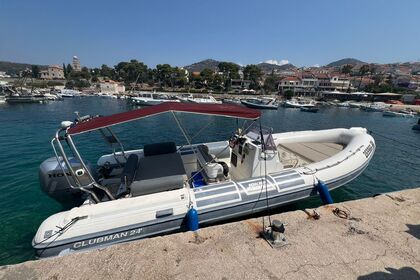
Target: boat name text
107,238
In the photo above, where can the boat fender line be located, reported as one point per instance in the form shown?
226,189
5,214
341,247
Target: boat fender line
324,193
192,219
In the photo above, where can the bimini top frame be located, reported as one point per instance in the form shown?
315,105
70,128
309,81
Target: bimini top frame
225,110
103,123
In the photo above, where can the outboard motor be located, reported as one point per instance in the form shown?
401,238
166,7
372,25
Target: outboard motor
54,183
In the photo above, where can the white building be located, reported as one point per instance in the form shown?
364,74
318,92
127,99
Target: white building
76,64
289,83
111,87
340,84
54,72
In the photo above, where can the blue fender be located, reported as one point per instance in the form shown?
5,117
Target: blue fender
192,219
324,193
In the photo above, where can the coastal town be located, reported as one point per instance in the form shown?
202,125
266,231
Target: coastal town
346,79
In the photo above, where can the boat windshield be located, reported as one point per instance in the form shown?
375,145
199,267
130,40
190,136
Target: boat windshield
254,132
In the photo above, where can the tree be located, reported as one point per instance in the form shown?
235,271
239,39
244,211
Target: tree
364,70
230,70
288,94
35,71
346,69
107,72
64,70
85,73
164,74
133,71
207,74
69,69
270,83
254,74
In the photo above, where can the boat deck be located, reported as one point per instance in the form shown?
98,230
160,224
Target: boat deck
307,152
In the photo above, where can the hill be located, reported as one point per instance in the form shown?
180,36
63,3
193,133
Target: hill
345,61
268,67
13,68
200,66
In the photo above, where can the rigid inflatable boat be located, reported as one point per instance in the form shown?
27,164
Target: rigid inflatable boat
147,192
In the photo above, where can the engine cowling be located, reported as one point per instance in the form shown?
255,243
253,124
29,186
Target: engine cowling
54,183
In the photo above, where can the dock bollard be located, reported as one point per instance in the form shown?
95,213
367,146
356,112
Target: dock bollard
192,219
324,193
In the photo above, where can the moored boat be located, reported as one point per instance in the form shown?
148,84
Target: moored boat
401,114
261,103
310,109
14,99
205,99
150,99
231,101
291,104
150,191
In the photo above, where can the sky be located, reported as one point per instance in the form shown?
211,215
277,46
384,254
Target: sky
304,33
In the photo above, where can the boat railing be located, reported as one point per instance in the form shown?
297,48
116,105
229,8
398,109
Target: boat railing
79,185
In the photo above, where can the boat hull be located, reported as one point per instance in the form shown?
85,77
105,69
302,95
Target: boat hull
249,205
214,203
258,106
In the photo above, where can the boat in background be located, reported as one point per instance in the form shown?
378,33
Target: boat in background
150,99
184,97
401,113
232,101
293,103
69,93
17,98
204,99
375,107
345,104
310,109
261,103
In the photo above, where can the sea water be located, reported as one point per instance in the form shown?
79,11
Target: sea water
27,129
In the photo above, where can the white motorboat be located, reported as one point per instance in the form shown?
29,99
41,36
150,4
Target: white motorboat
232,101
293,103
261,103
69,93
375,107
401,114
2,99
149,99
184,97
164,188
204,99
109,95
52,97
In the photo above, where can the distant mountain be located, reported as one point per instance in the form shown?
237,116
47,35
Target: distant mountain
200,66
268,67
12,68
345,61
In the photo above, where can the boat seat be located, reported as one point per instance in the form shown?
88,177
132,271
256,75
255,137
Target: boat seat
209,164
128,174
160,170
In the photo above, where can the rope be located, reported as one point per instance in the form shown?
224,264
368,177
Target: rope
395,140
342,214
58,233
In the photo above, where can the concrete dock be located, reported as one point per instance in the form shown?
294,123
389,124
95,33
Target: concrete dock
372,238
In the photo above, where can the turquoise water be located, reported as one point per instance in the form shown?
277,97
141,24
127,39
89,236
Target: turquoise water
26,130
